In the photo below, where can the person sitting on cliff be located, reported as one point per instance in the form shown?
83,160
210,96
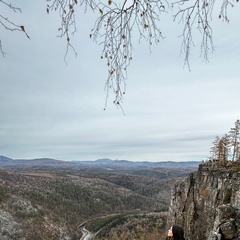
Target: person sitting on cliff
175,233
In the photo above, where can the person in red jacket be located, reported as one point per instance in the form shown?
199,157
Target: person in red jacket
175,232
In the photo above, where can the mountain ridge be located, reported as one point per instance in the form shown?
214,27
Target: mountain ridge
102,163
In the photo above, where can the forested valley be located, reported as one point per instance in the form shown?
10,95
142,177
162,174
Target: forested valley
55,202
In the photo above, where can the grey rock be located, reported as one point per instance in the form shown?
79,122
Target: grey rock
8,226
207,203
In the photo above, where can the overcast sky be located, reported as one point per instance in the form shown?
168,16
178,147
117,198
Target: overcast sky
52,109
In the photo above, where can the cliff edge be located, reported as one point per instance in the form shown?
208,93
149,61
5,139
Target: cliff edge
207,202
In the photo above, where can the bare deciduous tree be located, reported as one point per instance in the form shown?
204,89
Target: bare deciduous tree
224,148
117,20
228,146
214,153
235,141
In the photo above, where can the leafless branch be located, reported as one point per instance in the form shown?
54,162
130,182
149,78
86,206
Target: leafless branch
5,22
119,19
9,5
197,14
66,11
1,49
69,45
10,25
113,29
224,10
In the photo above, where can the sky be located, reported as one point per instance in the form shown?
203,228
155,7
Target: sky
55,109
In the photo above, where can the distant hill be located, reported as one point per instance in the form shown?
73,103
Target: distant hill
104,164
4,159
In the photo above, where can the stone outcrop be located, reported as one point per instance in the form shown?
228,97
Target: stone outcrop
207,202
9,228
18,213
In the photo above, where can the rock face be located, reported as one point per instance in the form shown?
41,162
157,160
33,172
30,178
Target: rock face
9,228
207,202
19,215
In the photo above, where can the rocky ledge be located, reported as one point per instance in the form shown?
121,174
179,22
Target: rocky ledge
207,202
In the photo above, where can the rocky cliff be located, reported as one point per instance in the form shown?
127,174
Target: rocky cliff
207,202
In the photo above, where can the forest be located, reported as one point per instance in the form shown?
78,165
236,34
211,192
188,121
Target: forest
52,203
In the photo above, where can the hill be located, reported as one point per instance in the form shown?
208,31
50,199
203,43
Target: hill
49,199
99,164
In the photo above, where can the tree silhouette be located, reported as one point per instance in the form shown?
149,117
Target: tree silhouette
116,20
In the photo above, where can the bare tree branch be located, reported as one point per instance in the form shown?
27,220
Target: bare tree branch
114,30
198,14
120,19
10,25
1,49
224,10
66,11
15,9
